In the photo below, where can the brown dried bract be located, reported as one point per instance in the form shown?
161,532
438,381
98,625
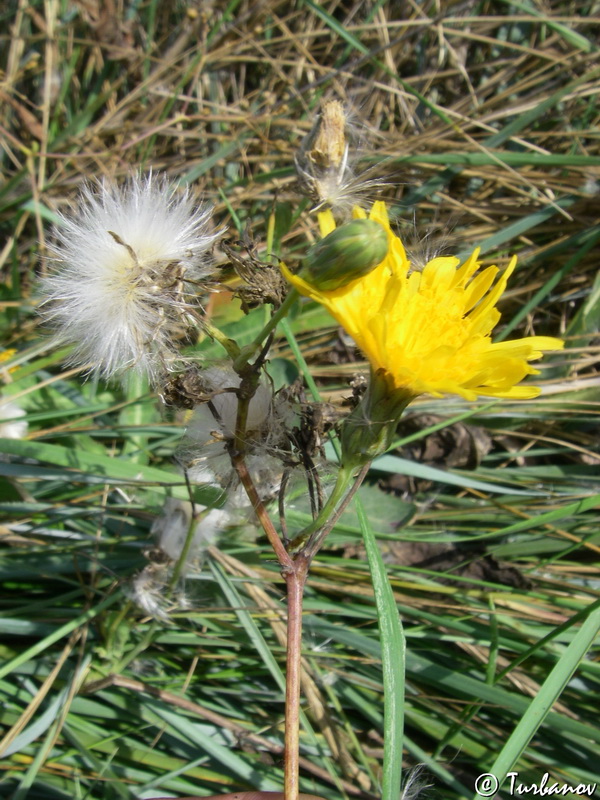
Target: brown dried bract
263,282
322,157
328,136
185,390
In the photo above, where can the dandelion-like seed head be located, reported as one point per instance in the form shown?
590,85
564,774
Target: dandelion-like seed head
147,590
429,331
128,263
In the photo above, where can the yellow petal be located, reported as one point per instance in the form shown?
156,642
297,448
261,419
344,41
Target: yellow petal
326,222
430,331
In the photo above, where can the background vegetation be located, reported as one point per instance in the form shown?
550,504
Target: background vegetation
483,117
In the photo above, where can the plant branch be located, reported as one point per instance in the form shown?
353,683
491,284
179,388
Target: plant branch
229,345
284,558
318,537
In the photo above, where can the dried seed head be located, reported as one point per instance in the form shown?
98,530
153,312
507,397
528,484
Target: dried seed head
171,528
330,147
262,282
326,163
147,590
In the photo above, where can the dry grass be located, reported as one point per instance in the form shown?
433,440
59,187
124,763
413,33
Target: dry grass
484,124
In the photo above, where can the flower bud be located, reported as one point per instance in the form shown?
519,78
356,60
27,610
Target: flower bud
348,253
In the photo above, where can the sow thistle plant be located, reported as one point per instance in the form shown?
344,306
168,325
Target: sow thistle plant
132,269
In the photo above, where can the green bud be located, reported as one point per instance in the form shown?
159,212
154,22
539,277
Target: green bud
347,253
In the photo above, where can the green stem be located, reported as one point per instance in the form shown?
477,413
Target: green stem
249,350
180,563
343,479
228,344
317,539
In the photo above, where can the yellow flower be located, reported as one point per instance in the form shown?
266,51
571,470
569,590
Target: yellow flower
430,330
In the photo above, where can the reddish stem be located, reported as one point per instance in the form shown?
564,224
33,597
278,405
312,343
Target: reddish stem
240,467
295,579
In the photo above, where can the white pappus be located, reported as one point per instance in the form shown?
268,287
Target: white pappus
126,267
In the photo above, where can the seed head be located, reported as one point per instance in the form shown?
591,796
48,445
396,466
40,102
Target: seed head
128,263
327,162
212,425
172,526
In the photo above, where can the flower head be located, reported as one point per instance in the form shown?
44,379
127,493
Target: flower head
125,283
430,330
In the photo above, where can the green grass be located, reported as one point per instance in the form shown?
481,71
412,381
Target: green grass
483,119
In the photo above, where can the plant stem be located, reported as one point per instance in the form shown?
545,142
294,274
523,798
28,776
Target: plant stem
317,539
295,579
180,563
285,560
341,484
247,352
294,566
228,344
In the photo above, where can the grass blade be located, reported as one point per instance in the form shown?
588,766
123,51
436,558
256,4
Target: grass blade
393,648
548,694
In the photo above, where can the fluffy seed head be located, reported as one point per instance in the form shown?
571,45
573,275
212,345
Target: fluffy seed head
127,265
147,590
